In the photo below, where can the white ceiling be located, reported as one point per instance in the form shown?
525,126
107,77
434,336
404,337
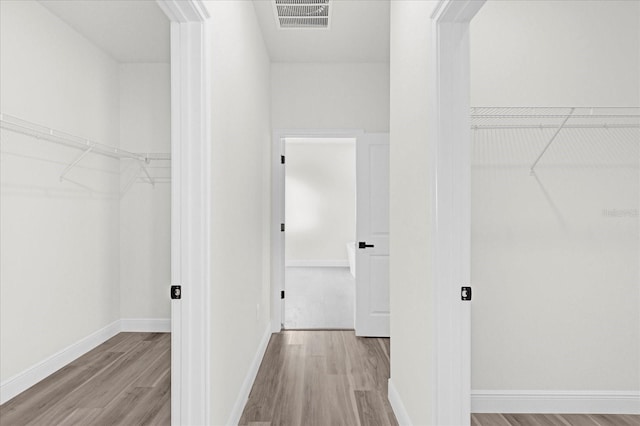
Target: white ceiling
138,30
129,31
359,32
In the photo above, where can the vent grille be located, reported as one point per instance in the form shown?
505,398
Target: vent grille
302,13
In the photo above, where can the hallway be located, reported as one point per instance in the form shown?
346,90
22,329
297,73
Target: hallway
321,378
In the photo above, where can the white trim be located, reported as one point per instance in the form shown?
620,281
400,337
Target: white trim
145,325
277,236
566,402
190,211
456,11
450,199
183,11
397,406
22,381
245,390
318,263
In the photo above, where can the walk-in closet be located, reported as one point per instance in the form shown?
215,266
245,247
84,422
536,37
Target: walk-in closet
555,181
85,189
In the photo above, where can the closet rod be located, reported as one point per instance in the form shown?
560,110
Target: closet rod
25,127
559,110
555,118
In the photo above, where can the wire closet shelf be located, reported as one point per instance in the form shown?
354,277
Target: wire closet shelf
18,125
558,118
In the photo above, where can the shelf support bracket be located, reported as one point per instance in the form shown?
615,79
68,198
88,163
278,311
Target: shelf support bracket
535,163
130,182
75,162
146,172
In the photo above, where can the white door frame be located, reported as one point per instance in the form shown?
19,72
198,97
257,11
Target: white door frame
191,205
190,208
451,201
277,209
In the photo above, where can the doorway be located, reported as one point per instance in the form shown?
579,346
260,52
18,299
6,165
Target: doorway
371,222
320,221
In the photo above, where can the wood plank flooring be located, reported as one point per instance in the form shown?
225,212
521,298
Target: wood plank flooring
321,378
124,381
554,420
310,378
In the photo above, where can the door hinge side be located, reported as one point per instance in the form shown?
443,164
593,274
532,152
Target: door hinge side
282,159
282,227
282,294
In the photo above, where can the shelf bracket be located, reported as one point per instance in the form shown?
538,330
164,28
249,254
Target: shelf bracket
535,163
75,162
146,172
131,180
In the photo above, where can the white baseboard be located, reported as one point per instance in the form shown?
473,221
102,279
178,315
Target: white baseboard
567,402
318,263
146,325
243,395
276,327
398,407
24,380
32,375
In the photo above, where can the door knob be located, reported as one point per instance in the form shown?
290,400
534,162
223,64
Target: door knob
363,244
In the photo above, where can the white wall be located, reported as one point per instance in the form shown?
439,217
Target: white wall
320,205
548,53
145,210
411,301
556,280
330,96
241,134
59,243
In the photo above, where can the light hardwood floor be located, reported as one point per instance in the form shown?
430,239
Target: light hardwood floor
307,378
124,381
321,378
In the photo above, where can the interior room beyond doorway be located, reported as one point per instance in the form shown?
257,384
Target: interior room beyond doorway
320,216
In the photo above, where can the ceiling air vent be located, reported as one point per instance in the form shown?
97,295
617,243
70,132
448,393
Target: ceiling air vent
302,13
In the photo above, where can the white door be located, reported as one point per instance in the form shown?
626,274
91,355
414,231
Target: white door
372,235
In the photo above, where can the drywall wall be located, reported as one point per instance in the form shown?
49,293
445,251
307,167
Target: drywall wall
548,53
320,202
240,152
59,242
410,239
554,268
145,210
330,96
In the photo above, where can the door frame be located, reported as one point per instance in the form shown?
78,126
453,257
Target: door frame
450,167
277,209
191,205
190,208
